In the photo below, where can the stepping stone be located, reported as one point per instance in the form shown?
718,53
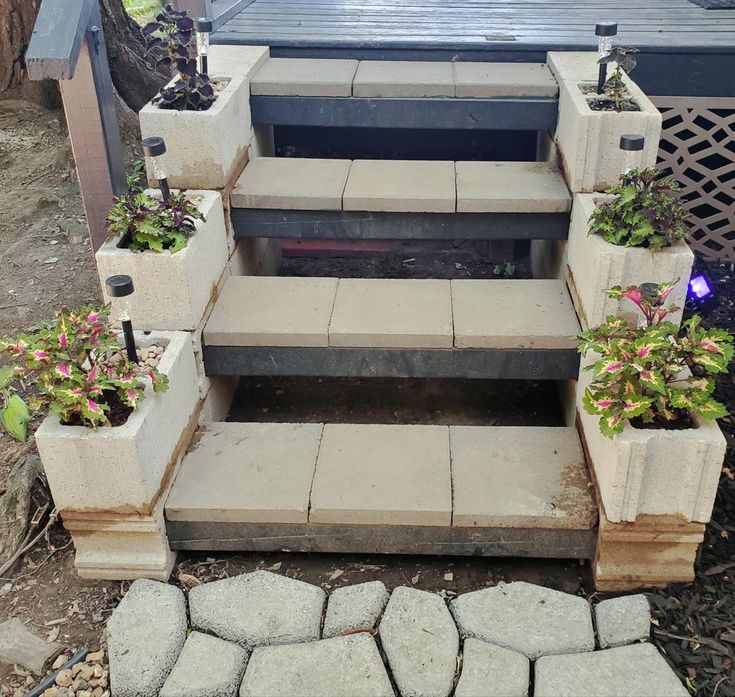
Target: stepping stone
272,311
624,620
489,80
354,607
256,473
382,474
21,646
291,183
403,79
511,187
620,672
258,609
492,671
416,186
526,618
145,636
341,667
392,313
421,643
514,314
305,77
520,477
207,667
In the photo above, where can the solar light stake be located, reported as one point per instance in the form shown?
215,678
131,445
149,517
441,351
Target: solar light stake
121,286
153,148
630,144
604,32
203,27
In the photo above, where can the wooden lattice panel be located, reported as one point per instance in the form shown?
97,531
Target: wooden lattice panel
698,150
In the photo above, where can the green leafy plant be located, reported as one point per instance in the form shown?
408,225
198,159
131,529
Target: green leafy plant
657,373
148,223
645,212
173,33
615,87
136,177
76,368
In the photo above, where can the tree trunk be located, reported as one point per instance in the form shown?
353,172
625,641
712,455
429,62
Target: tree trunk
134,75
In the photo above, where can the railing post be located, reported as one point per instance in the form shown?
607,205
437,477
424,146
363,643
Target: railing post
195,8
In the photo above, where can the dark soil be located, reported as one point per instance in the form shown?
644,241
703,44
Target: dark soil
681,423
117,415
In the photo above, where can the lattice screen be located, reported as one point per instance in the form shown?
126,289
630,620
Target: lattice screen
698,149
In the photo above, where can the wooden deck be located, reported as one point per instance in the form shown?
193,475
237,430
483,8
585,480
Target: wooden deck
685,49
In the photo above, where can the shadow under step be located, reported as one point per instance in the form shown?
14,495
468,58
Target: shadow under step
388,489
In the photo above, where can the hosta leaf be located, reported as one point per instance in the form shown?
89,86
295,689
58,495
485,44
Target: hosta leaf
15,417
6,376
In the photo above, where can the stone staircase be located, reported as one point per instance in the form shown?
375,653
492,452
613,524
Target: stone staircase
392,488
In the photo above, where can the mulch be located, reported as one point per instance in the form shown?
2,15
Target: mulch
695,623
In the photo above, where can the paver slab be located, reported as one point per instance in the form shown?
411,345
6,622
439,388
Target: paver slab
272,311
513,314
417,186
624,620
511,187
421,643
382,474
341,667
403,79
392,313
256,473
207,667
526,618
492,671
305,77
258,609
291,183
503,80
620,672
354,607
520,476
19,645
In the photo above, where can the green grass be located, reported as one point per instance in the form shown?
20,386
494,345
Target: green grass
142,11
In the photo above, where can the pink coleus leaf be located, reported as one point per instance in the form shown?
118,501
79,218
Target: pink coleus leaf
93,406
63,340
710,346
64,370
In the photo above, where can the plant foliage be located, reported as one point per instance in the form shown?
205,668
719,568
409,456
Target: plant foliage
173,33
148,223
615,87
656,372
646,212
68,363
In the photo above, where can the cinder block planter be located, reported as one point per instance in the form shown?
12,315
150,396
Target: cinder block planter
110,481
654,472
172,291
587,140
205,149
594,265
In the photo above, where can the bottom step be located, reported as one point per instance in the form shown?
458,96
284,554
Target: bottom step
500,491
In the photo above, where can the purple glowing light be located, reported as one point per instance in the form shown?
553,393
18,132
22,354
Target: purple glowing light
699,287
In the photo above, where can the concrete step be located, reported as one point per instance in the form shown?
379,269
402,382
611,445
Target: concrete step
392,327
385,488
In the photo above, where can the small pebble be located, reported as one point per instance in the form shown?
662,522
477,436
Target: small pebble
64,678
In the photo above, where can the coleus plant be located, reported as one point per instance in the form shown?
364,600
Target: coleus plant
148,223
646,211
173,33
75,366
615,87
657,372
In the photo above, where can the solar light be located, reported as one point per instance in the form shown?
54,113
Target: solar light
630,144
121,286
604,32
153,148
203,27
701,293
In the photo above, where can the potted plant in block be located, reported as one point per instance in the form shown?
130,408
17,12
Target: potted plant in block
205,121
636,233
647,410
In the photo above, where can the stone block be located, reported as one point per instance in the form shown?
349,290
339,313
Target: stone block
593,265
520,477
19,646
256,473
403,79
291,183
624,620
406,186
513,314
238,61
490,80
511,187
172,291
492,671
392,313
272,311
383,474
305,77
354,607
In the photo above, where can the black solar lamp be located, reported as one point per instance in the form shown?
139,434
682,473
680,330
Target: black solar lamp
121,286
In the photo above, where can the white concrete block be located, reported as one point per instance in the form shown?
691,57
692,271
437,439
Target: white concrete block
238,61
594,265
172,291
